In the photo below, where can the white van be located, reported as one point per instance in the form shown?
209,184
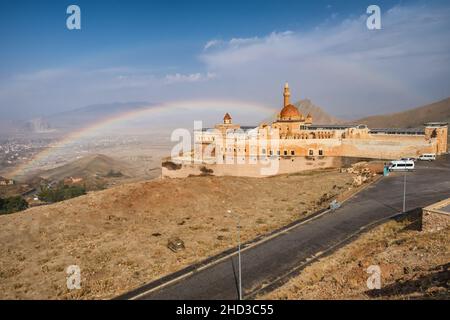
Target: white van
401,165
428,157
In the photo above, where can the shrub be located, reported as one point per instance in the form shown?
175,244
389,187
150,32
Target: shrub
114,174
206,171
60,193
12,204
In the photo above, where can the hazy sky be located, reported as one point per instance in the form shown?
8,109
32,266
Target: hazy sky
160,51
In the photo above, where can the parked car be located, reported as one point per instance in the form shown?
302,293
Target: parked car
428,157
401,165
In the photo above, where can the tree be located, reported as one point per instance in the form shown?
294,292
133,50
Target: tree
60,192
114,174
12,204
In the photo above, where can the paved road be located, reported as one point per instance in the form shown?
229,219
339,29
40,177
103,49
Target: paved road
275,258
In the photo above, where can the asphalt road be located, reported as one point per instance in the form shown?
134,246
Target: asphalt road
269,261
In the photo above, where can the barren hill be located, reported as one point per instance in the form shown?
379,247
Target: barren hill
86,167
118,237
413,264
319,115
438,111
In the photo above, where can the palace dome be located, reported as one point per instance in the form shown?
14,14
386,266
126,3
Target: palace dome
290,112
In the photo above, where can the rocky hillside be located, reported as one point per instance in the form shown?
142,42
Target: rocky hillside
413,265
320,116
119,236
86,167
306,106
438,111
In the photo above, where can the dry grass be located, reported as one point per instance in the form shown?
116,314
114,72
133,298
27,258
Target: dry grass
413,265
118,237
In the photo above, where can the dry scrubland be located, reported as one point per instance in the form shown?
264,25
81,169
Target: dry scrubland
414,265
118,237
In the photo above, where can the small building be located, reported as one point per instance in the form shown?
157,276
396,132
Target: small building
6,182
72,180
436,216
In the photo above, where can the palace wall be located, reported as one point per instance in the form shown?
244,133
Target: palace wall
284,165
310,154
440,134
376,147
387,147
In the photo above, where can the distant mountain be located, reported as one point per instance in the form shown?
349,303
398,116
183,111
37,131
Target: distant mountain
306,107
9,126
61,123
319,116
413,118
37,125
81,117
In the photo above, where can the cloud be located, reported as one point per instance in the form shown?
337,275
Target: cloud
341,65
193,77
50,91
350,70
55,90
212,43
240,42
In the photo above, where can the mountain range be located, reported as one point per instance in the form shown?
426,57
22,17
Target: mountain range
319,115
412,118
78,118
90,114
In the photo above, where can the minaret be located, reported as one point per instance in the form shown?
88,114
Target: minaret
286,94
227,119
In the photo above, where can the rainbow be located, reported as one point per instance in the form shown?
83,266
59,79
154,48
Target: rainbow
107,122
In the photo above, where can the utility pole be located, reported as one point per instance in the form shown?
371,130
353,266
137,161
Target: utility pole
404,193
239,254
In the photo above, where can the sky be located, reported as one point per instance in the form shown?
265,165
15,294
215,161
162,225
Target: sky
162,51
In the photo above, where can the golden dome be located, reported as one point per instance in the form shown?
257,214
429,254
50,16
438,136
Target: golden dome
227,116
290,112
